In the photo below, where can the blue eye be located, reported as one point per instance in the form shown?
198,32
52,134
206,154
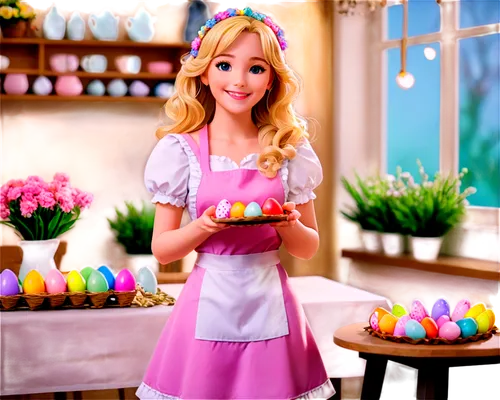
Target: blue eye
257,69
223,66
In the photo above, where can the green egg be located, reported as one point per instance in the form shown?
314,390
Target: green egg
483,322
97,282
399,310
86,272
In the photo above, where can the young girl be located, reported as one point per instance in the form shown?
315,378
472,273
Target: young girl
237,331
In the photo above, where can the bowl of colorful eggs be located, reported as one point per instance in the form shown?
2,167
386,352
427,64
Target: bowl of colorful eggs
253,213
464,324
89,287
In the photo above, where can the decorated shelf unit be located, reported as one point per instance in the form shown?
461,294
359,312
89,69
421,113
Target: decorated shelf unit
33,57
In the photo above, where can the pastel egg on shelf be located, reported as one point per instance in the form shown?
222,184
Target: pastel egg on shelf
441,326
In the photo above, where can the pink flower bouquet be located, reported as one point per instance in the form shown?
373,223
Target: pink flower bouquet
38,210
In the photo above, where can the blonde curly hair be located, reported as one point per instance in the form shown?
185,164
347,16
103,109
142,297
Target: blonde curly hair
192,106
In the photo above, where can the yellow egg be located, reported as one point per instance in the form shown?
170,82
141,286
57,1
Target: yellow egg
483,322
76,282
388,323
491,314
475,310
237,210
33,282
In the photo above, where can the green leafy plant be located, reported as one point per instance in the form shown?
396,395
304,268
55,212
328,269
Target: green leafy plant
133,229
433,208
367,212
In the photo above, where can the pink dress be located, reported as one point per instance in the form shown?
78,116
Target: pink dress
237,331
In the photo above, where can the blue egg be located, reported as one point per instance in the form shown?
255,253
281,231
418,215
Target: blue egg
147,279
108,274
414,330
252,210
468,327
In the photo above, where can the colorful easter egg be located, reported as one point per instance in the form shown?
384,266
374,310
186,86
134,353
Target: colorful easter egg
85,272
398,310
418,311
108,274
124,281
272,207
97,282
252,210
33,282
55,282
147,279
468,327
491,314
442,319
374,322
460,310
414,330
76,282
483,322
223,209
399,329
449,331
388,323
475,310
431,328
381,312
440,307
9,284
237,210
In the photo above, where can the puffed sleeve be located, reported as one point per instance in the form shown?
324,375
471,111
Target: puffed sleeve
304,174
167,172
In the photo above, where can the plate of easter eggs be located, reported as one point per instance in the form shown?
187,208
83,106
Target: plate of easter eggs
253,213
417,326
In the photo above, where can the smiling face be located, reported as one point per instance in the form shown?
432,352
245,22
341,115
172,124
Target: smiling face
238,78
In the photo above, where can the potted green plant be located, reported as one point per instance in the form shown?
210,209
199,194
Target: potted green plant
15,18
366,211
429,210
133,229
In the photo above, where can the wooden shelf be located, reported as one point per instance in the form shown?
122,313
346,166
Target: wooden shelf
93,43
459,266
109,99
94,75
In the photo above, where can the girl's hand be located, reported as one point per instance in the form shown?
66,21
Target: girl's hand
205,221
293,216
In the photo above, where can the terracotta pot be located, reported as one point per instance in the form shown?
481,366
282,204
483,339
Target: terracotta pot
15,30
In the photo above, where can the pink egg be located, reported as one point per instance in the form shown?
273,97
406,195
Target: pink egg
449,330
124,281
374,321
418,311
223,209
399,329
460,310
55,282
442,319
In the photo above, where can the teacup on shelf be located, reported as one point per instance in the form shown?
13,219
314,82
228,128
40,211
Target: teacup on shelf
94,63
160,67
128,64
4,62
63,62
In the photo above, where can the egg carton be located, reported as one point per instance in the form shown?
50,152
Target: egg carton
435,341
110,298
263,219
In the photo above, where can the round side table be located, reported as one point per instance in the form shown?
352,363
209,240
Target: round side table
464,371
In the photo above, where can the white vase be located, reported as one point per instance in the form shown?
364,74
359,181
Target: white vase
393,243
75,28
39,255
136,261
371,241
426,248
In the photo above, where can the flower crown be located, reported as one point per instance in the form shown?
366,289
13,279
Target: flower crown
233,12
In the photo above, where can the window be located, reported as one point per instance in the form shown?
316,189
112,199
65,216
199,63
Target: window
450,118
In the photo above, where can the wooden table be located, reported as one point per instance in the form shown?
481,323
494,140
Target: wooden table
432,361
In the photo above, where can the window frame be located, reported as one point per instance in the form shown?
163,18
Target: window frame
478,218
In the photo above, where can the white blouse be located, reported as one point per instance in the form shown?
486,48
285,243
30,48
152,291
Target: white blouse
173,173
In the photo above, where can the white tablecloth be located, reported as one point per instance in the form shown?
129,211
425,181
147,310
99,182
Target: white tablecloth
76,350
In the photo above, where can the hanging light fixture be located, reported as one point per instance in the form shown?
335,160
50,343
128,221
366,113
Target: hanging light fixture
404,79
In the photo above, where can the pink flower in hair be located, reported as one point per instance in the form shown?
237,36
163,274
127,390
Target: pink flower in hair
195,44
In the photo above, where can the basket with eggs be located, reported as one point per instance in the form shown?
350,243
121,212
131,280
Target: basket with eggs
465,324
252,213
89,287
